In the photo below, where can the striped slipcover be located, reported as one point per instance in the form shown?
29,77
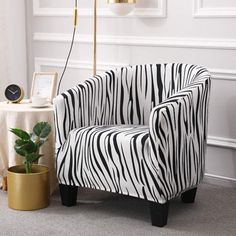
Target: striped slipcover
138,130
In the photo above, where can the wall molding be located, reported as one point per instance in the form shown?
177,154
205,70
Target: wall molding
39,62
203,43
218,74
208,12
158,12
221,142
223,74
219,180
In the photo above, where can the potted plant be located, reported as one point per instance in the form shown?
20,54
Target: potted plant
28,184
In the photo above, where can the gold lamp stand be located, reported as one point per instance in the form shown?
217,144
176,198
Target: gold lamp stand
94,37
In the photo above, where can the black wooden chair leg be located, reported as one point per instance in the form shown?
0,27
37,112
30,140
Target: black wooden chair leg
159,213
68,194
189,196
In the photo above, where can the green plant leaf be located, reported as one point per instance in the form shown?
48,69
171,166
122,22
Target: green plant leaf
19,151
42,129
20,133
33,157
25,147
20,142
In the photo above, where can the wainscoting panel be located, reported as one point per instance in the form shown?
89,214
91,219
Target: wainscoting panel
213,10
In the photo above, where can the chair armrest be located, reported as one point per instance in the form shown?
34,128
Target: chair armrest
88,103
178,132
65,114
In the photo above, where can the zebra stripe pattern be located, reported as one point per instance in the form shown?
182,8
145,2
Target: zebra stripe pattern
138,130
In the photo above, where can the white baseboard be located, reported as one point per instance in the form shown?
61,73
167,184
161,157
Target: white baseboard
219,180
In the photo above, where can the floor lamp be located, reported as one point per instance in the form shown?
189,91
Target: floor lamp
119,7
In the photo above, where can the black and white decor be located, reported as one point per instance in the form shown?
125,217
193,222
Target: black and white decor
138,130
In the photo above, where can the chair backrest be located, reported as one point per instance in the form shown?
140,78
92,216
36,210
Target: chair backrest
137,89
122,96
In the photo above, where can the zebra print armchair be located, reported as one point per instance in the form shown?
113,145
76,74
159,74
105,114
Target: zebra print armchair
139,131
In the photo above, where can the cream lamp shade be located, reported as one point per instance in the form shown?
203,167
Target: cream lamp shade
121,7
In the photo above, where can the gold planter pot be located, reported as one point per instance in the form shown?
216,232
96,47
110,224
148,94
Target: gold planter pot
28,191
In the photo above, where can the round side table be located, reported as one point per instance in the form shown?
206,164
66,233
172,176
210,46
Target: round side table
23,115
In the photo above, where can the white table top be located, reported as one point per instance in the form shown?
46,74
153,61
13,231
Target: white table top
24,106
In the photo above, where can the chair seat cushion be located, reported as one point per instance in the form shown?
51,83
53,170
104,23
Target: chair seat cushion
111,158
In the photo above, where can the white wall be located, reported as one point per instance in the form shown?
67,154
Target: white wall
194,31
12,45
